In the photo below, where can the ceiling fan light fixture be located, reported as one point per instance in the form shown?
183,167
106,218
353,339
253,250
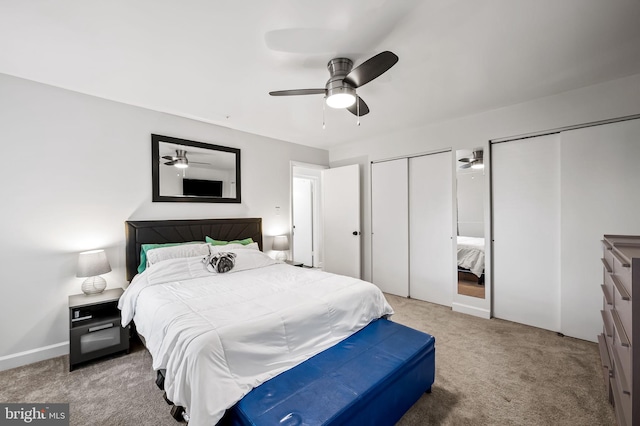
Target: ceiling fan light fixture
341,97
181,163
478,165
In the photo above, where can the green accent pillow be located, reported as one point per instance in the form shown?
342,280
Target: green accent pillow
146,247
224,243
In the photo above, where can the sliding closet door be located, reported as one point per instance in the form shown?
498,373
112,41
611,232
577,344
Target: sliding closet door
389,227
600,195
525,178
430,228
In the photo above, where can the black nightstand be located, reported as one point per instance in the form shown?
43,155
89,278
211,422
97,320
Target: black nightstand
291,262
94,326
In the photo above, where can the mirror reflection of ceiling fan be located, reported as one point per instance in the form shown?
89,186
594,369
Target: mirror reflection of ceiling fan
180,160
475,161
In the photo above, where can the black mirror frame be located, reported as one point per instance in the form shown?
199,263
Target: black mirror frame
155,170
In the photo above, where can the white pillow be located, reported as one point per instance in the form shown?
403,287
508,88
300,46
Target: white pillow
174,252
248,259
228,247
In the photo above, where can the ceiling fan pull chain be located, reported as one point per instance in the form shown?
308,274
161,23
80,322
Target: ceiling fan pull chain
323,106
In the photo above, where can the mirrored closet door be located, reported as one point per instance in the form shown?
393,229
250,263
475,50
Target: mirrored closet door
470,225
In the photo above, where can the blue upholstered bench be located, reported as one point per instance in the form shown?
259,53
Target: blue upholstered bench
370,378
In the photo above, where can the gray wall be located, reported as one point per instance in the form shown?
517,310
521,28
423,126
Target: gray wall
74,169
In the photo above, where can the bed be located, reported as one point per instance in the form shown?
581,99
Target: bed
471,257
219,335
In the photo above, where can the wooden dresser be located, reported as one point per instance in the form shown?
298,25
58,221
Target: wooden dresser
621,325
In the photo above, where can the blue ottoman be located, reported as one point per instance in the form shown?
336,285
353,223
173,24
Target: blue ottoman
371,378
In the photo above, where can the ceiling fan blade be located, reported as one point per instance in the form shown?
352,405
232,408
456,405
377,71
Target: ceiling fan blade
170,163
372,68
297,92
466,166
168,157
359,107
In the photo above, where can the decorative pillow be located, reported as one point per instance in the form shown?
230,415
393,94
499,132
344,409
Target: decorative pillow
220,262
174,252
243,259
146,247
224,243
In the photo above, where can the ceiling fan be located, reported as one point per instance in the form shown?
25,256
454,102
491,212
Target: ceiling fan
340,89
475,161
179,160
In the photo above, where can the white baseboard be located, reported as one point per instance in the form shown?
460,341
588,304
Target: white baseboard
471,310
33,355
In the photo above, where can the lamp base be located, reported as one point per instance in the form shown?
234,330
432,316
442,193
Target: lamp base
282,256
94,285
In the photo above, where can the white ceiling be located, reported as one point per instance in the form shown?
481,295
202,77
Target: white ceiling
217,60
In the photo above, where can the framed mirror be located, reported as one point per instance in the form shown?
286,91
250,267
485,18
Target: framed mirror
470,241
190,171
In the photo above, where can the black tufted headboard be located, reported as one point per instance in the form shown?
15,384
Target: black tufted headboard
178,231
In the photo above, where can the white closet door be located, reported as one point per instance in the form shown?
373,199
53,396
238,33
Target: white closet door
430,228
600,195
526,230
389,227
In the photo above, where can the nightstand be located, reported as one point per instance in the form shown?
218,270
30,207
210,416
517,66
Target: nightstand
94,327
291,262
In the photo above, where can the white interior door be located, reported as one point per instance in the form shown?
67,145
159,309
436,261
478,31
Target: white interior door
526,230
390,226
303,221
341,214
431,270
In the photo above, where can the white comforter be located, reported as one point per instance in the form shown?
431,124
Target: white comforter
220,335
471,254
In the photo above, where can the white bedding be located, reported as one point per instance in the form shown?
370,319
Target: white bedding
471,254
220,335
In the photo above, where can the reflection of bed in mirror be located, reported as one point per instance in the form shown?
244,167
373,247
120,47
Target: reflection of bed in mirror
470,258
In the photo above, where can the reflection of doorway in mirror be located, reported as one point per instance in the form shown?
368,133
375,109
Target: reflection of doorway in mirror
470,175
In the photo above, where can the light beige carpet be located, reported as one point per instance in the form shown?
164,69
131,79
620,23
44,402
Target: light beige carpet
488,372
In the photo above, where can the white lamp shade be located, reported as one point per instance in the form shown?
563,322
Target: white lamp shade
92,263
281,243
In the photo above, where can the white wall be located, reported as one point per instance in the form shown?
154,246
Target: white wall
611,99
75,169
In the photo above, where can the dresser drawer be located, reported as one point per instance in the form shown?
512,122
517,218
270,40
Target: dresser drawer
621,358
607,323
607,255
622,271
621,402
624,309
608,289
605,362
611,280
607,296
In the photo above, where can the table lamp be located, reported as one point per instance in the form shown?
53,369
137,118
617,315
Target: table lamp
281,245
92,264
